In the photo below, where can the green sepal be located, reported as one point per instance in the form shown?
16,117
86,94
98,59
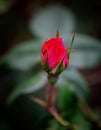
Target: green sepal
52,79
59,68
45,64
68,52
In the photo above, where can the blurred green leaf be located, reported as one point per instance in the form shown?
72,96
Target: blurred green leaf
67,100
31,85
87,52
80,121
77,83
24,56
54,125
64,93
65,96
45,23
4,5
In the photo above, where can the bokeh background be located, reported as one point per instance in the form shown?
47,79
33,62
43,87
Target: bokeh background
24,26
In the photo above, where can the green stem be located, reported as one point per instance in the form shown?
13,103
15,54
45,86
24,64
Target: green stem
51,110
58,117
39,101
50,95
51,98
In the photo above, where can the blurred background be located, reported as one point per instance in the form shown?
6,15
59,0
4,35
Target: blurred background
24,26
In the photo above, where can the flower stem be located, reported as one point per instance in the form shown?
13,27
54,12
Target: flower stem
51,99
51,110
50,95
39,101
58,117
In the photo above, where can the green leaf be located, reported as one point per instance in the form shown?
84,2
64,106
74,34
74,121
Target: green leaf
23,56
54,125
81,122
77,83
87,52
5,5
31,85
65,96
66,101
45,23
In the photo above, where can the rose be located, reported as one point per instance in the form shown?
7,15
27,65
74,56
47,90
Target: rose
54,56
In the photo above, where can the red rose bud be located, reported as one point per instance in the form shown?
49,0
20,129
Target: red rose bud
54,55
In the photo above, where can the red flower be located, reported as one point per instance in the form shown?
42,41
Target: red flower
54,56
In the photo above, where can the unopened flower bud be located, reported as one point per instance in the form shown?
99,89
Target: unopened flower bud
54,56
